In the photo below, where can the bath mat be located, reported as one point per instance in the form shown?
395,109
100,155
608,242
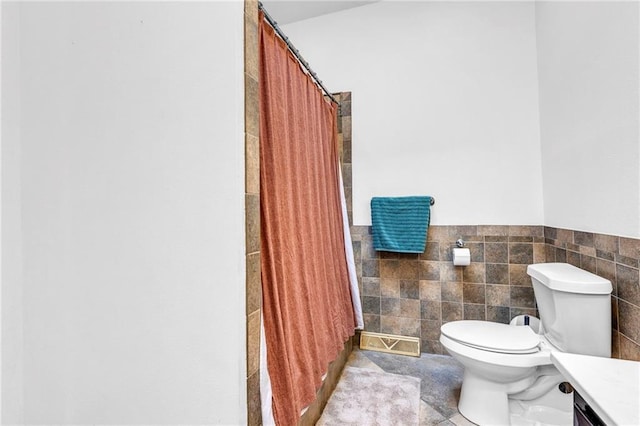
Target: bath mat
364,397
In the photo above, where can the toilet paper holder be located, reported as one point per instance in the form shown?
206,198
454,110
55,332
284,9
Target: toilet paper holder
461,255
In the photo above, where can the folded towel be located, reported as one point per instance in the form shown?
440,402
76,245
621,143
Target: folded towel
400,223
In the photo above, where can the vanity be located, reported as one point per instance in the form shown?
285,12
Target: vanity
608,390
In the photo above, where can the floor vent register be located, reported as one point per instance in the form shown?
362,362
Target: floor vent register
390,343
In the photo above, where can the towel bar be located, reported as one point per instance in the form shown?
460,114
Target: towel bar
433,201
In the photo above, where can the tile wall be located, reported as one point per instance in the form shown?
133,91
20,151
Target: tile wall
414,294
615,258
344,147
252,210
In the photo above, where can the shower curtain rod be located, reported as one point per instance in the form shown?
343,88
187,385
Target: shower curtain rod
296,53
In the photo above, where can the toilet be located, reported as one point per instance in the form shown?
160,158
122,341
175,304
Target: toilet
509,378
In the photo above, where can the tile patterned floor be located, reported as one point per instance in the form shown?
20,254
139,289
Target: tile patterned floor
440,375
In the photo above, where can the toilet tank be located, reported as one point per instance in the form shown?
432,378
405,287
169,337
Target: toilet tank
574,306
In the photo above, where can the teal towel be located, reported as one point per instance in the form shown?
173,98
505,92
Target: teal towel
400,223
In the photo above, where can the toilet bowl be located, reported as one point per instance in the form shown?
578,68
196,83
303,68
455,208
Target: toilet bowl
503,363
509,378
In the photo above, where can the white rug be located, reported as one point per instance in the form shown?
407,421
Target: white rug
364,397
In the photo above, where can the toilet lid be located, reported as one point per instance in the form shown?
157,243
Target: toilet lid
493,336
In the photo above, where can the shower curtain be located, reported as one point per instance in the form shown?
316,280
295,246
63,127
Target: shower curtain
307,308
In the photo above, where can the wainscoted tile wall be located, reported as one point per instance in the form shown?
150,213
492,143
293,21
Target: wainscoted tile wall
615,258
414,294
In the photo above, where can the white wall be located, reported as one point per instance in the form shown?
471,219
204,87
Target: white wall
11,357
589,94
445,103
130,186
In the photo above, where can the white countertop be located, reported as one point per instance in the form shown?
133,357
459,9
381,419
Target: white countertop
610,386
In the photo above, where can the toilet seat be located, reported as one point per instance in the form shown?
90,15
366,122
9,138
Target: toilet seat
486,349
493,336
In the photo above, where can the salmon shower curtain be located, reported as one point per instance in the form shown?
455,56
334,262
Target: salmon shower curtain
307,309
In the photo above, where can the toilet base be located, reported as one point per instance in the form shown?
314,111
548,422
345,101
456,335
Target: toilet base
552,409
487,403
539,415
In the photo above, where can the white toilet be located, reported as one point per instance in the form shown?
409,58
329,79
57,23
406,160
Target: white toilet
508,376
